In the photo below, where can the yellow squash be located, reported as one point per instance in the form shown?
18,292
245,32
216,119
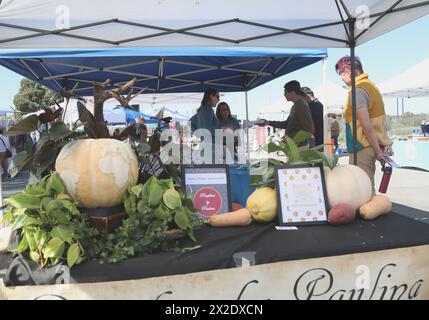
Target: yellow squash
262,205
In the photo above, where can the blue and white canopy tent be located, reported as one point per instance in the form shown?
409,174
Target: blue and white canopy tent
159,70
196,25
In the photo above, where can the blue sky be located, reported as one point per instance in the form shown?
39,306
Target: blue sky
382,58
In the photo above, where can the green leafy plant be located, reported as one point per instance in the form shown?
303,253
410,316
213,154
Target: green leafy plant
49,223
153,208
289,147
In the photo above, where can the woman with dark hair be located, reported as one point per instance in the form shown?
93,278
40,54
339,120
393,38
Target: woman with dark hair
205,117
228,124
223,115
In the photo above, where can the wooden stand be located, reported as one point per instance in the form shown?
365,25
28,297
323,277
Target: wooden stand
108,223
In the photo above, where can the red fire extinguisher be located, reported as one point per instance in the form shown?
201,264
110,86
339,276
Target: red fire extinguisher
387,173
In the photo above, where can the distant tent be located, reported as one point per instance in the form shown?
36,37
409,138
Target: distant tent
410,84
166,112
335,98
131,115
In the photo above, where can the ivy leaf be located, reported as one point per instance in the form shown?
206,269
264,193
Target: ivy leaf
172,199
311,155
181,219
155,194
54,249
27,125
23,245
136,190
20,161
19,219
166,184
55,184
272,147
32,243
301,136
127,202
268,175
55,209
6,217
36,191
161,214
45,202
294,155
34,256
190,234
24,201
59,131
63,233
73,255
41,238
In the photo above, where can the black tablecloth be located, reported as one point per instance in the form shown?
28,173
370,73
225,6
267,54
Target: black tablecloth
403,227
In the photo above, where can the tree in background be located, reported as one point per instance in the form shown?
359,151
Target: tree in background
33,97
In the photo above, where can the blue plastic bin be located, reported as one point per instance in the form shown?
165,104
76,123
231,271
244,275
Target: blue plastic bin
240,184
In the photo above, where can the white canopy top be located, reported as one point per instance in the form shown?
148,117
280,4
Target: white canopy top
335,98
410,84
134,23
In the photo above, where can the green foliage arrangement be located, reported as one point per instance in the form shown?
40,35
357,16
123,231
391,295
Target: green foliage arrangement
52,229
49,222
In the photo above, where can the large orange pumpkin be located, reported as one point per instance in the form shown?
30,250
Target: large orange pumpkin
96,172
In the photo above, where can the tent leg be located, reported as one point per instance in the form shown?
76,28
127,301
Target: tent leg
325,105
353,91
397,107
247,127
402,106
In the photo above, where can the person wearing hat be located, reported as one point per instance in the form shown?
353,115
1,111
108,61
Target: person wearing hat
299,116
316,109
372,138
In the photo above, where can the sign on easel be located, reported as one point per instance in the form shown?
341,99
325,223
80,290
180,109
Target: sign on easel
209,187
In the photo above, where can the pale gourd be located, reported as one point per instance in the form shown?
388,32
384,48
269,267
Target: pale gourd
262,204
96,172
238,218
347,184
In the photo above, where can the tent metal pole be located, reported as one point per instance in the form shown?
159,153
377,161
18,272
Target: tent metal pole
397,107
325,103
247,126
353,91
402,106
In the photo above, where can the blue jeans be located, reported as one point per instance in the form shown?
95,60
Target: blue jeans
335,142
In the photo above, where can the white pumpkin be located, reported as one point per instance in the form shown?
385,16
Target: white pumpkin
347,184
96,172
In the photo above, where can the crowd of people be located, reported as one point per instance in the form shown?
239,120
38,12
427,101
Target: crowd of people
307,114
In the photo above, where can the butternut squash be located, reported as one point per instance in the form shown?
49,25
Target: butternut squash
377,206
238,218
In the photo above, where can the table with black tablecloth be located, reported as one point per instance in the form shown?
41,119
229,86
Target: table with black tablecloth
403,227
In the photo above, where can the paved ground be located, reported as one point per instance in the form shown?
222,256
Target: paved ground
11,186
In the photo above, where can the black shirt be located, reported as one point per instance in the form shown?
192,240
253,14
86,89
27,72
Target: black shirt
316,108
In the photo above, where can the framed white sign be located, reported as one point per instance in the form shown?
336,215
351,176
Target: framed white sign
301,195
